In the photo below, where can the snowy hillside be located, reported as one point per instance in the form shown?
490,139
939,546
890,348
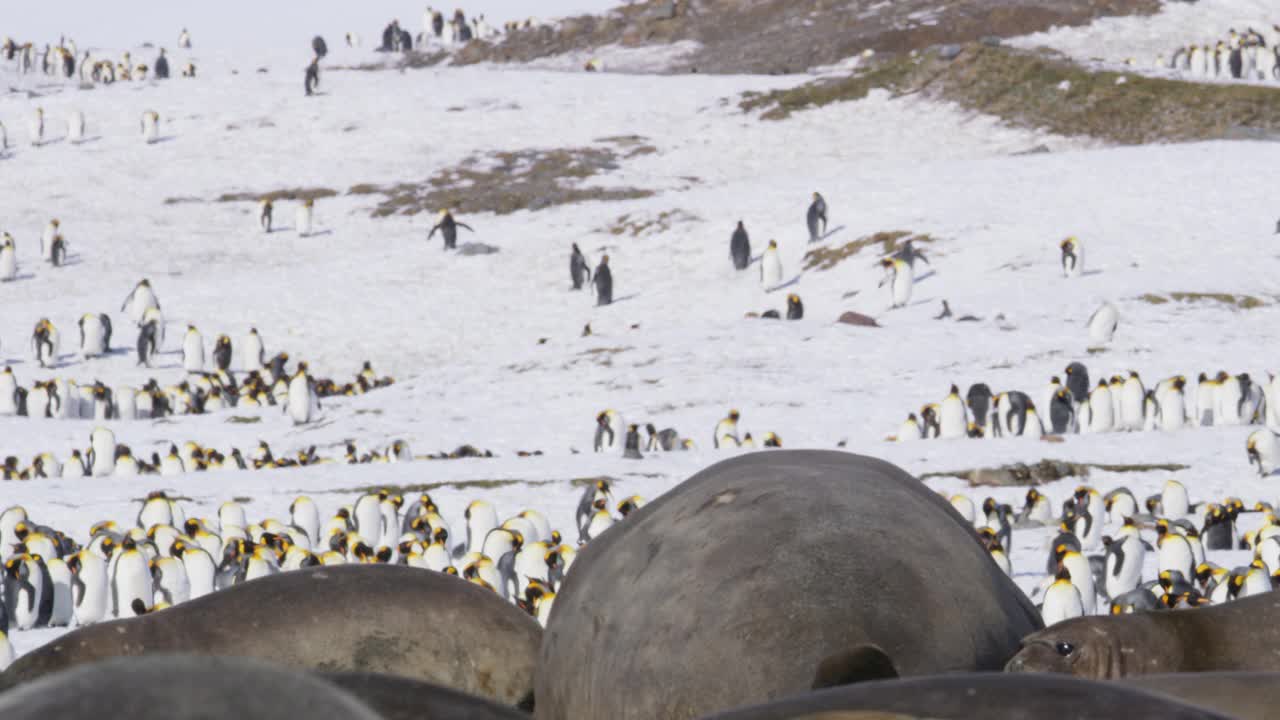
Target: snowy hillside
489,350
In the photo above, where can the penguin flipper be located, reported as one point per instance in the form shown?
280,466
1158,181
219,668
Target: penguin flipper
31,593
464,225
862,663
1119,553
77,584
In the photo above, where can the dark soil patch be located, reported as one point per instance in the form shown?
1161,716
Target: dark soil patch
1244,302
1045,90
786,36
1045,471
507,182
826,258
274,195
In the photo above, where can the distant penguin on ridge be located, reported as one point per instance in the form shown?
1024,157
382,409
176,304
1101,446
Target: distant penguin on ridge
816,218
579,271
603,281
740,247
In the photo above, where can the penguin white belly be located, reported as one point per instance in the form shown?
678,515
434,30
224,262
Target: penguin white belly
1174,502
1175,554
909,431
143,300
1132,404
84,405
63,603
1206,403
302,219
1082,579
46,242
8,395
125,467
7,655
1228,398
1172,411
73,468
200,572
1061,602
104,452
300,405
95,339
726,428
952,418
35,129
193,352
1130,570
251,353
8,263
126,403
1102,326
1076,269
618,430
902,284
259,568
368,518
436,557
530,566
75,126
1100,411
770,269
1255,583
150,128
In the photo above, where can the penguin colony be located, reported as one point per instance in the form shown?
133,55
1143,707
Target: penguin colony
64,61
1095,562
1119,403
164,557
457,29
1251,56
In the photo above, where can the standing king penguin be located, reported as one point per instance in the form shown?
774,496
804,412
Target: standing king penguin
303,216
1072,257
816,218
771,266
150,126
603,281
8,258
897,273
740,248
579,271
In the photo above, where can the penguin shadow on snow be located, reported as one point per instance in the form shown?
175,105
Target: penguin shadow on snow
827,234
782,286
321,233
163,139
16,278
86,141
625,298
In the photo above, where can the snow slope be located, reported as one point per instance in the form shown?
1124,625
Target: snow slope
488,350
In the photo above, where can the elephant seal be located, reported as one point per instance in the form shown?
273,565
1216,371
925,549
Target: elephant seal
1242,695
372,618
180,687
1238,636
771,574
966,696
399,698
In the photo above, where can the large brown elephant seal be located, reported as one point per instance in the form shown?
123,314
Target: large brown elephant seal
1238,636
767,575
1242,695
976,696
180,687
369,618
399,698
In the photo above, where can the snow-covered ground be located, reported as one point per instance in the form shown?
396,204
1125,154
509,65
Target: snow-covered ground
489,350
1148,43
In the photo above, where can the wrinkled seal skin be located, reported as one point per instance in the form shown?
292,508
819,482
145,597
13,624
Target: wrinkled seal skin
767,575
1239,636
988,696
366,618
180,687
1242,695
399,698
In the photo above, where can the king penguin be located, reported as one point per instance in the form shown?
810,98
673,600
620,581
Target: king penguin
1062,600
897,274
266,208
252,353
44,343
141,299
222,354
95,335
1263,450
579,270
953,420
816,218
303,403
448,228
193,350
75,127
740,247
726,428
150,129
1072,257
1103,323
771,266
303,216
130,580
8,258
603,281
88,587
36,127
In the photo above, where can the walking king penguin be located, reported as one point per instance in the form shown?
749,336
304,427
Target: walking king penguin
603,281
1103,323
44,343
816,218
265,210
302,217
579,271
448,228
897,274
740,248
150,126
1072,257
771,266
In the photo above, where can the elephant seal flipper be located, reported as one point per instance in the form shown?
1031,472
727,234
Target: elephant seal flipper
399,698
858,664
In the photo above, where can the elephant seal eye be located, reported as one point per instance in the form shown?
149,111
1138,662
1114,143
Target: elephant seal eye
1065,648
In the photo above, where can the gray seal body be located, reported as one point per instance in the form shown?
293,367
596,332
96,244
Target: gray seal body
741,585
399,698
180,687
368,618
